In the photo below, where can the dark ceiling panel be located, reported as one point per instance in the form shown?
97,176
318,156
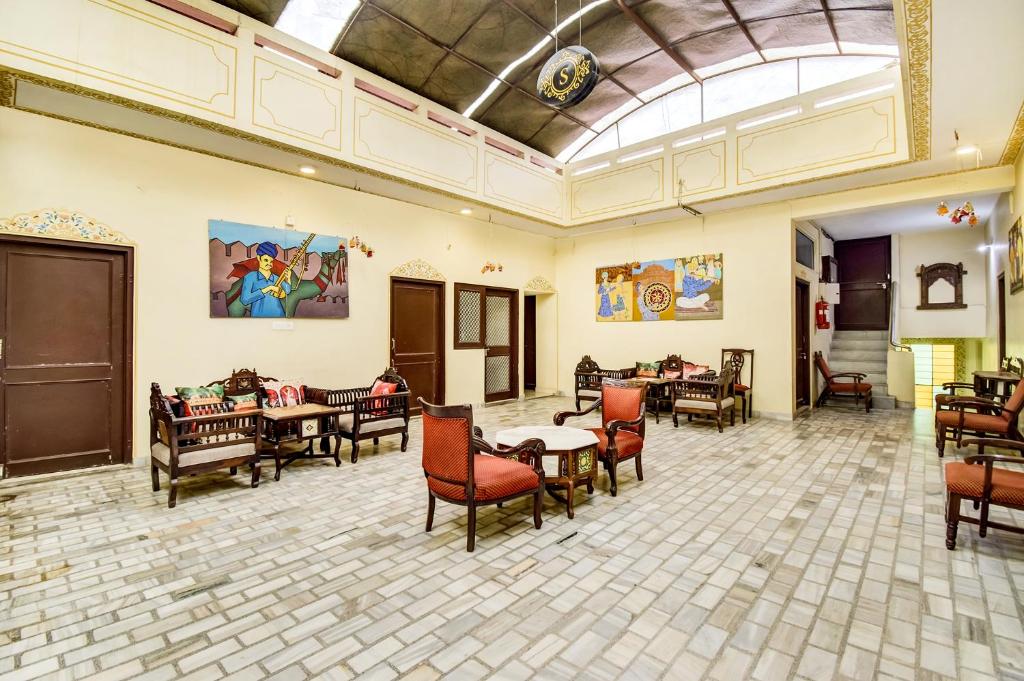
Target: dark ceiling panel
499,37
715,48
443,20
555,136
749,10
791,31
860,26
648,72
606,97
543,12
617,41
456,83
380,44
860,4
517,115
677,21
266,11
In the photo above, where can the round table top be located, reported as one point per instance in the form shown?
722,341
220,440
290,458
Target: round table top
997,375
556,438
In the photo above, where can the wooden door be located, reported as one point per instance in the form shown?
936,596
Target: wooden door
501,325
864,275
1001,311
65,357
530,342
417,338
803,343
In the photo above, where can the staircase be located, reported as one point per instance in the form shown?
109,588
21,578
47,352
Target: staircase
865,352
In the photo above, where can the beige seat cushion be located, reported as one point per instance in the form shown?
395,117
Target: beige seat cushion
162,453
706,405
345,424
589,393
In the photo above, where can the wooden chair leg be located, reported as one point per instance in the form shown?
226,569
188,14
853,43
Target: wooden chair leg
538,503
255,474
983,519
940,440
172,495
355,451
611,476
577,404
471,529
376,441
155,472
639,468
743,409
675,419
430,511
732,417
405,441
750,408
952,519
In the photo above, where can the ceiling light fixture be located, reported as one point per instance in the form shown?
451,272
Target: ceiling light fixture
590,169
466,211
778,115
307,170
641,154
822,103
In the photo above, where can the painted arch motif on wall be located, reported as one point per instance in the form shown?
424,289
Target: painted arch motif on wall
418,269
56,223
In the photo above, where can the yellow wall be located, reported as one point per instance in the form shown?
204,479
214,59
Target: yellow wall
162,197
1008,210
757,248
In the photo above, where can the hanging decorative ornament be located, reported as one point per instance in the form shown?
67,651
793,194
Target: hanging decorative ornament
570,74
492,267
943,209
964,211
355,243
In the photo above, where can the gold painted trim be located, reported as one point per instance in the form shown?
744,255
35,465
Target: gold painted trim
246,136
1015,141
303,136
418,269
62,224
648,165
490,159
8,88
472,150
721,172
750,138
917,23
539,284
231,70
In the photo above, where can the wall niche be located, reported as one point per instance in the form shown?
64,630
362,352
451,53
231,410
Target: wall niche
942,286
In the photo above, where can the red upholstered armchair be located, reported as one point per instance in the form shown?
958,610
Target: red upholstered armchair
978,480
460,470
623,416
978,416
856,387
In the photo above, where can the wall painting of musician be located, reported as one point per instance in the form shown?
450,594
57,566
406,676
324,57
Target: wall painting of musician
268,272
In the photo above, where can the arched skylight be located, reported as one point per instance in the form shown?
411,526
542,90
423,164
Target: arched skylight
718,97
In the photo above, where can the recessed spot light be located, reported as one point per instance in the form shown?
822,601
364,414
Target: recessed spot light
307,170
966,149
466,211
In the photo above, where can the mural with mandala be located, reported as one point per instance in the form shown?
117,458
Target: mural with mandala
678,289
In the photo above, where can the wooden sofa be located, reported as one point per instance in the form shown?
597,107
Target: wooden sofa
589,377
366,416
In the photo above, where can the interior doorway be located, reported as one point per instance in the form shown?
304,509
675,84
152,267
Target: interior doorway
802,315
1001,313
417,338
65,355
501,332
529,342
864,279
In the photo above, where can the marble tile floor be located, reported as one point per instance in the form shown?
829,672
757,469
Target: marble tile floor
805,550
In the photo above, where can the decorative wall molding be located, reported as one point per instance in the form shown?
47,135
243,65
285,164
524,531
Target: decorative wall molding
917,17
62,224
418,269
1015,141
540,285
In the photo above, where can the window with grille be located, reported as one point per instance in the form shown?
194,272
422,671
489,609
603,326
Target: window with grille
469,316
933,366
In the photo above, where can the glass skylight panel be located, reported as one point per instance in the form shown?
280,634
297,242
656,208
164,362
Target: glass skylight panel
683,108
317,22
750,88
669,85
648,121
606,141
739,62
780,53
629,105
818,72
866,48
576,145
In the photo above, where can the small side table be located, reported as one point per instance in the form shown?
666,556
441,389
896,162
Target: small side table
999,383
298,423
570,458
658,391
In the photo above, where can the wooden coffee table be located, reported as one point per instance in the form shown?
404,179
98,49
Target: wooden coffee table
570,458
298,423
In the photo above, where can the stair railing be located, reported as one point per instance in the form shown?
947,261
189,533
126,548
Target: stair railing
893,339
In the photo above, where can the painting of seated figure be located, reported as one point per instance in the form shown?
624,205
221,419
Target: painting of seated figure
268,272
698,287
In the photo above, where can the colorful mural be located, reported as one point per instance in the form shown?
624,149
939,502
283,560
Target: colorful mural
661,290
267,272
1016,258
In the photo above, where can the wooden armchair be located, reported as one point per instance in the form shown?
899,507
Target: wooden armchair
979,417
977,479
737,357
365,415
855,387
459,468
589,376
187,445
623,418
245,382
705,395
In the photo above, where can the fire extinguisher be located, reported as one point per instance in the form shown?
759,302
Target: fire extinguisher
821,317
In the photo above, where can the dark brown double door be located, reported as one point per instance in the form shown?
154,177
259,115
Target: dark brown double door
65,356
417,337
864,281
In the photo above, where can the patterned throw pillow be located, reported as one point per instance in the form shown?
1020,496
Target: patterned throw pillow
243,402
647,369
201,395
284,393
690,369
673,374
381,388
